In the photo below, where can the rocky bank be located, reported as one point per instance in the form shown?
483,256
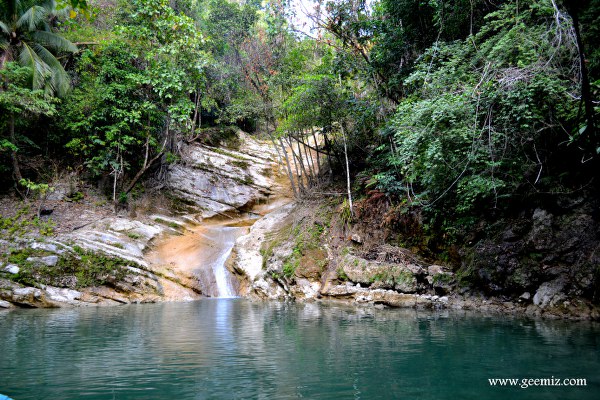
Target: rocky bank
310,254
105,259
545,262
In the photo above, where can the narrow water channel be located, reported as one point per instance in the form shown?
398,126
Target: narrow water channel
201,252
199,255
218,241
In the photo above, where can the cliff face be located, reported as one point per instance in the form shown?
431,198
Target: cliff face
211,180
545,261
543,264
108,259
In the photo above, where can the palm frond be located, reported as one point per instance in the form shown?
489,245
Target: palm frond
59,79
39,69
4,28
12,8
53,41
32,18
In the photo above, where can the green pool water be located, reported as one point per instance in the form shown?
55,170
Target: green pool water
236,349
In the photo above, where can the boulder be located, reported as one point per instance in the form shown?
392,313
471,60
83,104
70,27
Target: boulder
11,269
400,277
550,293
5,304
30,297
344,291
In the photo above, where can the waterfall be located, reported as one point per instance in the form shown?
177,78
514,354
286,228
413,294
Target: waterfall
199,257
226,240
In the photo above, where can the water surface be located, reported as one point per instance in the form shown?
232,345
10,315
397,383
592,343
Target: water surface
232,348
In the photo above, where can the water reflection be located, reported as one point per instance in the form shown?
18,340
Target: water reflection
232,348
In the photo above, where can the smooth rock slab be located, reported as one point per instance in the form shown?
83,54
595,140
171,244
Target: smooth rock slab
62,295
5,304
11,269
48,260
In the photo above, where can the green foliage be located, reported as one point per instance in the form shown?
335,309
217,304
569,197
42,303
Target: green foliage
24,223
341,274
108,117
39,188
345,212
80,269
17,96
477,124
20,107
26,35
393,276
291,263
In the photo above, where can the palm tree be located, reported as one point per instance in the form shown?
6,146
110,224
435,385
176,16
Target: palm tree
26,36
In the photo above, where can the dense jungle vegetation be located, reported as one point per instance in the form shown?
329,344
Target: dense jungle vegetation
456,111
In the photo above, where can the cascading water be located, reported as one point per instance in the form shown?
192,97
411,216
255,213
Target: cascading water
226,239
199,257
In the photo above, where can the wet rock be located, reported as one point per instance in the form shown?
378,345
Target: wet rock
393,299
11,269
267,289
31,297
63,295
550,293
247,261
424,301
5,304
305,289
380,275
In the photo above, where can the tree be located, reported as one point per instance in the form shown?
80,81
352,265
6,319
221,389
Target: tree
489,117
26,36
17,99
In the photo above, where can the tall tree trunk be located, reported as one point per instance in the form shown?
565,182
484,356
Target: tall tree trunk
586,94
316,144
347,169
299,180
289,168
302,167
13,152
329,149
279,157
311,164
196,107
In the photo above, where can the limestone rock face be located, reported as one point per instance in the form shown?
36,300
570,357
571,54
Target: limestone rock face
117,236
247,261
401,277
212,180
440,278
29,296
